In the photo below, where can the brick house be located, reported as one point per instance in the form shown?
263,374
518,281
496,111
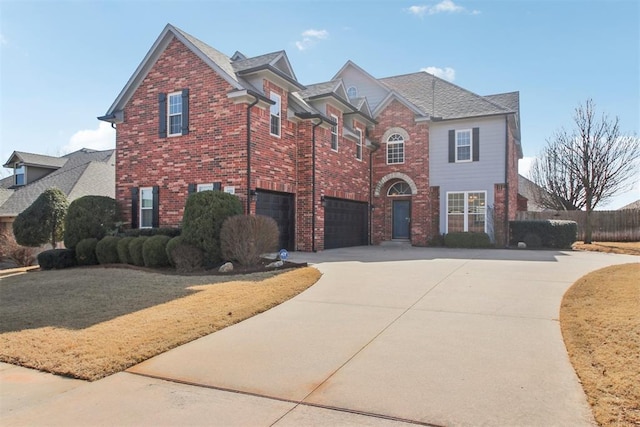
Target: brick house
353,161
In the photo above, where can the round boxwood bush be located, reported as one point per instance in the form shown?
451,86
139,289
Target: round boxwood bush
57,258
86,251
135,250
171,245
89,217
204,214
107,250
154,251
123,250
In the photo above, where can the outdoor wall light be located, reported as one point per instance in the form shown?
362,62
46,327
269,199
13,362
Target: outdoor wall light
323,202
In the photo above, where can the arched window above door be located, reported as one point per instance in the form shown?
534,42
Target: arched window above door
400,188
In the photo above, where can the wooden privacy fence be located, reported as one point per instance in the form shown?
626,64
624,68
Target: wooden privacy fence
607,226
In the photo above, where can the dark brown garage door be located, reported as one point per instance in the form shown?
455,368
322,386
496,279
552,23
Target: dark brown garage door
279,206
345,223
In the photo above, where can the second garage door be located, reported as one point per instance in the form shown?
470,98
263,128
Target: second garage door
345,223
279,206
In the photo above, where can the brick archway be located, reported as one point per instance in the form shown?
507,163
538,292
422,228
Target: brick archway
396,175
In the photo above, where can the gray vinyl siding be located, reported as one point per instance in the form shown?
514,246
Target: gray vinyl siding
366,87
468,176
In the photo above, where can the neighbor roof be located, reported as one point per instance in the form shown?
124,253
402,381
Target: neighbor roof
32,159
85,172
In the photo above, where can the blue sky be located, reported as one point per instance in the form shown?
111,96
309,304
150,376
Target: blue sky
62,63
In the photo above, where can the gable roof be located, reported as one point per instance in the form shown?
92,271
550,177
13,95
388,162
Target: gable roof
439,98
633,205
32,159
85,172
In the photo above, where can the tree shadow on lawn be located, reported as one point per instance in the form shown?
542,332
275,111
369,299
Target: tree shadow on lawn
77,298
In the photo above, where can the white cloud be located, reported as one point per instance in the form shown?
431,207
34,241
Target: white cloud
446,73
445,6
3,40
310,37
102,138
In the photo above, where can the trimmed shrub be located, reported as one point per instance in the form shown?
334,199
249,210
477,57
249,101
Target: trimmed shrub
86,251
243,238
135,250
107,250
22,256
57,258
123,250
467,240
186,258
555,234
154,251
43,221
172,244
204,214
148,232
90,217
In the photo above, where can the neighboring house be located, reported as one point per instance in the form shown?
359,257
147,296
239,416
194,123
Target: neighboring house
351,161
529,195
81,173
633,205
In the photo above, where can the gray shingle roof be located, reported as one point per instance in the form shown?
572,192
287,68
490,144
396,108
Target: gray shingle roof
633,205
318,89
255,62
85,172
511,100
221,60
32,159
440,98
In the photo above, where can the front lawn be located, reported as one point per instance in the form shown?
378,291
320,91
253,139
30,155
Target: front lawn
600,321
628,248
88,323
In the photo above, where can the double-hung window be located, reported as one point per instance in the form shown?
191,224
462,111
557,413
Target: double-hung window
174,113
146,207
334,133
463,145
19,173
395,149
275,111
359,144
466,211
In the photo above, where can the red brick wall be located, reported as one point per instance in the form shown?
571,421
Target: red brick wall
214,150
416,167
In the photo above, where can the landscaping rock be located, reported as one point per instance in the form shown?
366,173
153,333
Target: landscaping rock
226,267
522,245
275,264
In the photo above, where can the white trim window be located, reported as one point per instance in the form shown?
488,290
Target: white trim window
204,187
352,92
400,188
275,110
334,133
146,207
20,174
467,211
463,146
395,149
359,144
174,114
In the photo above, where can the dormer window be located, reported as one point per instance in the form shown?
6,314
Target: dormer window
19,173
352,92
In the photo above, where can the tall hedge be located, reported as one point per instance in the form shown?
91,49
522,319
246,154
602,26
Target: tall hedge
90,217
204,214
43,221
558,234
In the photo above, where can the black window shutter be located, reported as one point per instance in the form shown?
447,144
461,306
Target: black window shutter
162,115
192,189
134,207
452,146
185,111
217,186
476,144
155,219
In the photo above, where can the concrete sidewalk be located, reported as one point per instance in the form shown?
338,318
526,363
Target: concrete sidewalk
388,336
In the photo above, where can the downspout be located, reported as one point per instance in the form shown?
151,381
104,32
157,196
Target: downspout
370,198
506,181
313,184
249,153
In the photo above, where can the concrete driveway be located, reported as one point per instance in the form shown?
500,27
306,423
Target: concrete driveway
388,336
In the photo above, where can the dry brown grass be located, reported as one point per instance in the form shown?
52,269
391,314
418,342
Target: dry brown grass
89,323
600,321
628,248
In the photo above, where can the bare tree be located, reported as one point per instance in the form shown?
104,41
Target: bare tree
587,166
